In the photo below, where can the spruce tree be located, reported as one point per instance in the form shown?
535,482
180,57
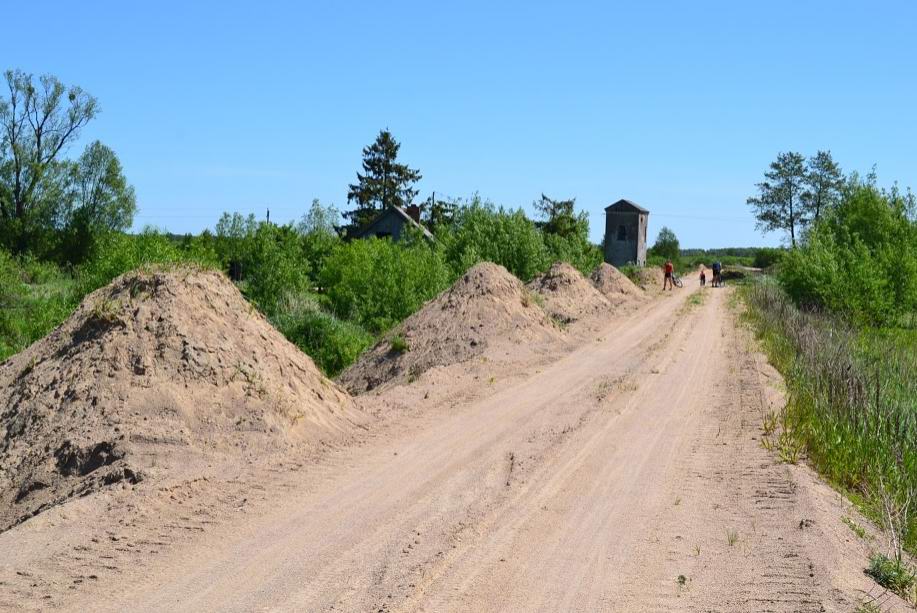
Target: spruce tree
383,183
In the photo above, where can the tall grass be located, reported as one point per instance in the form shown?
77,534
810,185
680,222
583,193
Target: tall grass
852,401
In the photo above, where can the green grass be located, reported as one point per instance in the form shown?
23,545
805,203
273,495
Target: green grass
34,299
399,344
894,575
851,404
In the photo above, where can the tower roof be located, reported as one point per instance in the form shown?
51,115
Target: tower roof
625,206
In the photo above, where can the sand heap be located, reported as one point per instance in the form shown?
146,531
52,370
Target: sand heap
487,303
615,285
649,278
567,294
153,375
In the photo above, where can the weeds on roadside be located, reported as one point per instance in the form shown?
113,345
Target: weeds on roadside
399,344
894,575
732,537
850,403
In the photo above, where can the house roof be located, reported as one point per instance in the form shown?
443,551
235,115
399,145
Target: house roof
392,210
626,205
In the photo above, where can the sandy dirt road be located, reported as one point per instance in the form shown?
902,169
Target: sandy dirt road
626,476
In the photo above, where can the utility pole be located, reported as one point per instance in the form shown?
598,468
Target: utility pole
269,214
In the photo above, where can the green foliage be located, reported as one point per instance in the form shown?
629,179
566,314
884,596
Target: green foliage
666,245
332,343
117,253
376,283
399,344
765,257
384,183
34,298
482,232
319,235
850,402
274,265
894,575
778,205
859,260
37,121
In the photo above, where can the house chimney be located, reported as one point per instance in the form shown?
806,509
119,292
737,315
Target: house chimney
413,212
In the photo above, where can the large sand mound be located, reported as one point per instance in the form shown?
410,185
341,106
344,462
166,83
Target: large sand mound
614,284
485,304
153,375
568,295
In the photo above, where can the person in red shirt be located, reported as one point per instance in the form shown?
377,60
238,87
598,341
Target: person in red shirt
669,269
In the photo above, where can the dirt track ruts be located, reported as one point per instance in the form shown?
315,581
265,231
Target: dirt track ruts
627,476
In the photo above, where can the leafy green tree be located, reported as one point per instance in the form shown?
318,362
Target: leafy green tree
558,216
102,196
384,182
318,229
483,232
38,121
98,199
377,283
824,182
274,266
666,245
233,233
860,259
439,213
779,204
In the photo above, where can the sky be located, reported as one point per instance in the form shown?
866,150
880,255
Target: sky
678,106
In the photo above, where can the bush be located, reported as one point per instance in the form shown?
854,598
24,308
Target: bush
275,265
850,398
482,232
376,283
860,260
765,257
35,297
117,253
333,344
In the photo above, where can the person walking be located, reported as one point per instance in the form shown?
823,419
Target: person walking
669,271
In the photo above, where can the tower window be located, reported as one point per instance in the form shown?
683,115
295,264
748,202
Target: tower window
622,232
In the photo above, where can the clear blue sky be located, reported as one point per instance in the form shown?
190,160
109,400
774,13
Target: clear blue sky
678,106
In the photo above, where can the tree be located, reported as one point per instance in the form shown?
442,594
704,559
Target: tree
439,213
102,196
558,216
384,182
779,204
320,219
666,244
38,121
824,183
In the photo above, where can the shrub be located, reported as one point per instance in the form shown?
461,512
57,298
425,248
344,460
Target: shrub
850,399
765,257
482,232
377,283
860,260
333,344
34,298
117,253
274,266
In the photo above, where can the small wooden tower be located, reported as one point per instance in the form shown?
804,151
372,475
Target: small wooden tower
625,233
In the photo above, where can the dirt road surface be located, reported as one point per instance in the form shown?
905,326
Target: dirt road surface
625,476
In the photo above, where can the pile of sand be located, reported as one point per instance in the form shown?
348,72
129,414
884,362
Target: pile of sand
650,278
615,285
153,375
567,294
486,304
